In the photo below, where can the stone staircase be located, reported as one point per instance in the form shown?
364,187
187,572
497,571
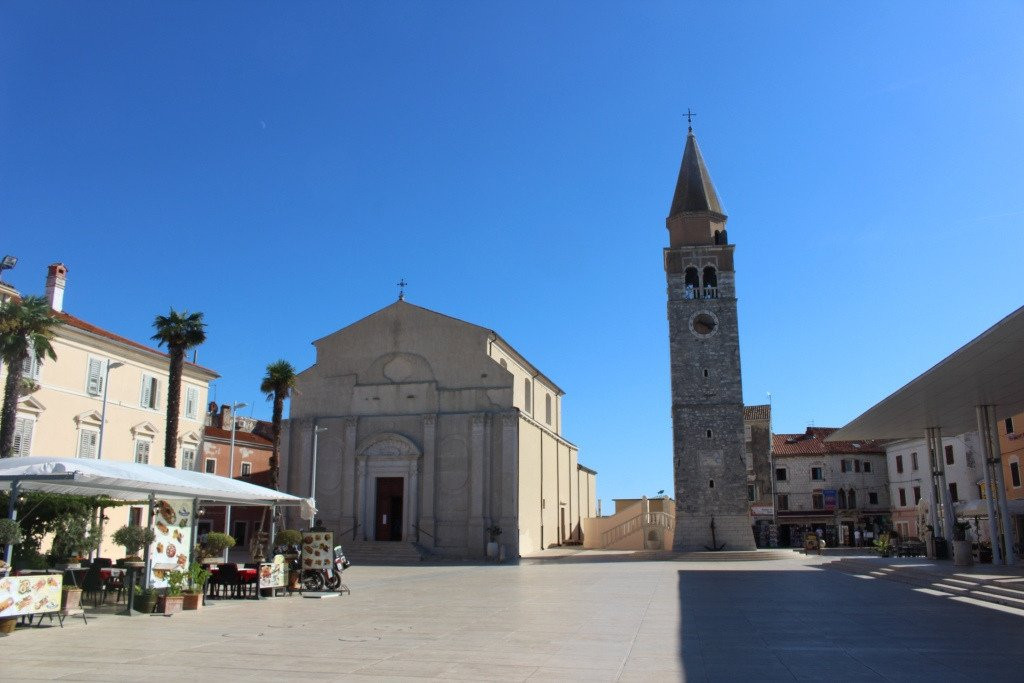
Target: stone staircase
997,585
381,552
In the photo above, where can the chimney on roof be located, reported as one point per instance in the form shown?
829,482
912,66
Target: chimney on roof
56,279
225,416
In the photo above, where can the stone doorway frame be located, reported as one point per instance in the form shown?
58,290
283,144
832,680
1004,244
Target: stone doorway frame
386,455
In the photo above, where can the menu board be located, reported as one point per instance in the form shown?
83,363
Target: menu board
317,549
273,574
172,526
30,594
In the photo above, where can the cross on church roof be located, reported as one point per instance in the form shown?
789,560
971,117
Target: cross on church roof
402,284
689,119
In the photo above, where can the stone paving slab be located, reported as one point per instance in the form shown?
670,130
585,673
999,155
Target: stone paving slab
596,621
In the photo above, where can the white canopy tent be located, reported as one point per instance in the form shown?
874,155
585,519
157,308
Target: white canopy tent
125,481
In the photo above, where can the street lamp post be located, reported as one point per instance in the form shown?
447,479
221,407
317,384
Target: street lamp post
231,466
312,475
111,365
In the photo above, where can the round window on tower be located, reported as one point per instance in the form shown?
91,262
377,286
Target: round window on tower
703,324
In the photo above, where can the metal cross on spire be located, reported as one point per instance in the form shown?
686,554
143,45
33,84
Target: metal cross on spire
689,120
402,284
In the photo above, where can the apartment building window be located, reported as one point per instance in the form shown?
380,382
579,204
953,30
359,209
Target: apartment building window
188,459
95,376
818,500
135,516
1008,423
191,403
239,529
851,499
856,465
899,464
841,499
527,395
150,392
783,501
211,466
751,492
952,492
780,474
949,455
142,451
913,460
23,427
246,469
817,474
917,495
88,441
1015,474
547,408
872,498
903,498
867,466
30,367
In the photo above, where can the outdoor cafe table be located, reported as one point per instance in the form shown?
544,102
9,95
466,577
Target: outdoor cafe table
245,575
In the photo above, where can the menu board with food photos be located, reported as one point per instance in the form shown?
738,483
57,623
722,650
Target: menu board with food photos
30,594
172,526
317,549
273,574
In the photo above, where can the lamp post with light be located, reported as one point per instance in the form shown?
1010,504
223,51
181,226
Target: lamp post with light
235,407
312,475
111,365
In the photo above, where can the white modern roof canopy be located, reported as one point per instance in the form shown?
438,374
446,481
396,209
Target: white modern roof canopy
123,480
988,370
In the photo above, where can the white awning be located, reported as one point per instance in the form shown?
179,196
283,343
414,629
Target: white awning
125,480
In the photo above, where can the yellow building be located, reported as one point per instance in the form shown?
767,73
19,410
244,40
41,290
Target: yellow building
94,369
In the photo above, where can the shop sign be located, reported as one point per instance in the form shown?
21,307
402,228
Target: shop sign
829,496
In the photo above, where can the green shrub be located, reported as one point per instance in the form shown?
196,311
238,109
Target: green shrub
133,538
288,537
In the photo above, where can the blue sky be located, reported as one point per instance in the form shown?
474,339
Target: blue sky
279,166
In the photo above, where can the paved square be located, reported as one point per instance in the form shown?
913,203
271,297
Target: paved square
563,620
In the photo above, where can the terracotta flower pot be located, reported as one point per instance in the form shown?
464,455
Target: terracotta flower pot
7,625
192,601
170,604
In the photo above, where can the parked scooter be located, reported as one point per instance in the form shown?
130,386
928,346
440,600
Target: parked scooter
328,579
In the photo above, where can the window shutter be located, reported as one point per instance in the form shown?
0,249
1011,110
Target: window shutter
87,441
23,436
142,452
94,385
191,401
144,399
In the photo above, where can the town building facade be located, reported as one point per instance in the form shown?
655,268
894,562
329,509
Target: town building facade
99,374
757,446
835,486
434,431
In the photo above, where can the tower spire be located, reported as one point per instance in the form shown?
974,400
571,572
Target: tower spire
694,189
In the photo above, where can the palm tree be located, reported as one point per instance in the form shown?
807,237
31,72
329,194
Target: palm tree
277,385
180,332
26,328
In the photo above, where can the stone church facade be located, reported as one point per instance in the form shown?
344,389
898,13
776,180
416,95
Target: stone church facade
434,431
712,509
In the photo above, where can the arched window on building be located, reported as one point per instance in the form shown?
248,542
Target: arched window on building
503,364
842,499
710,283
851,499
692,282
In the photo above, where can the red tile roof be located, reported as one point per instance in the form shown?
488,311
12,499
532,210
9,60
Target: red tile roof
71,320
240,437
812,442
762,412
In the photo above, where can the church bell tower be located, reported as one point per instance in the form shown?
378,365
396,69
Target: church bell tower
712,511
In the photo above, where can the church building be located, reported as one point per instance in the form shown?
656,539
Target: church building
437,432
712,509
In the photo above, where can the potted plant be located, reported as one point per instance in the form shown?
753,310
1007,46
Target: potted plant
883,544
962,551
492,545
133,538
171,601
145,600
197,578
214,545
72,539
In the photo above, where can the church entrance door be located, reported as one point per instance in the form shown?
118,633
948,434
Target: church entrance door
389,508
